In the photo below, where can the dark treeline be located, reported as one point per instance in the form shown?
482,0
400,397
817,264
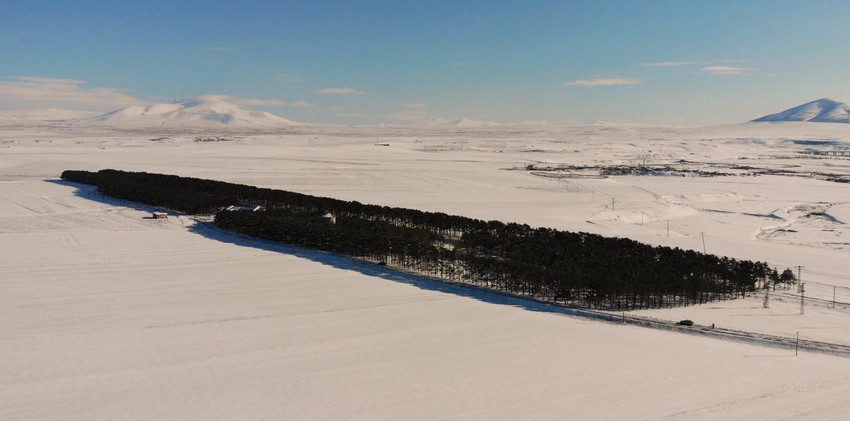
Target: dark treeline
577,268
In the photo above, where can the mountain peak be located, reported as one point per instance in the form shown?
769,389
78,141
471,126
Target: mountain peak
211,111
822,110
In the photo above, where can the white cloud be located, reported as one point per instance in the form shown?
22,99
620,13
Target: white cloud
27,92
256,102
666,64
603,82
243,102
726,70
415,105
339,91
220,50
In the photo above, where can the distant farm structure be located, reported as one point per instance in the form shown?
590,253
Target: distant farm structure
246,208
330,218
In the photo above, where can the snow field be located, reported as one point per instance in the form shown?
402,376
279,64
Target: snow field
106,314
167,322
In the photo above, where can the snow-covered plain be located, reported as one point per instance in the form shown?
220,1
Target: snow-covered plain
106,314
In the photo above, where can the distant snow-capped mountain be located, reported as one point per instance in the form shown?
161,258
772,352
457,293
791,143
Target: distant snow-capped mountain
459,123
823,110
467,122
205,112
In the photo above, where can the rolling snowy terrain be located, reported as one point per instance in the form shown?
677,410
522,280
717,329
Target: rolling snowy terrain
108,314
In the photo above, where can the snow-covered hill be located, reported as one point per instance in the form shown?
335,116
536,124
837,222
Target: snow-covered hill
823,110
197,113
469,123
463,123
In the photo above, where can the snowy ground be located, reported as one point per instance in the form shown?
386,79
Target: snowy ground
106,314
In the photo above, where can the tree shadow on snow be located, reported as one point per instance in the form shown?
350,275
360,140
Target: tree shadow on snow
210,231
90,192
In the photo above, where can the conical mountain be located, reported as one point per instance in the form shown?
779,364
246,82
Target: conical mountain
823,110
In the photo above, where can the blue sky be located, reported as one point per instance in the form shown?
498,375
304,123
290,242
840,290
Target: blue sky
677,62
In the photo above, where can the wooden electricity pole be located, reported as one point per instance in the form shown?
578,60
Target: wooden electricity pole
797,344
